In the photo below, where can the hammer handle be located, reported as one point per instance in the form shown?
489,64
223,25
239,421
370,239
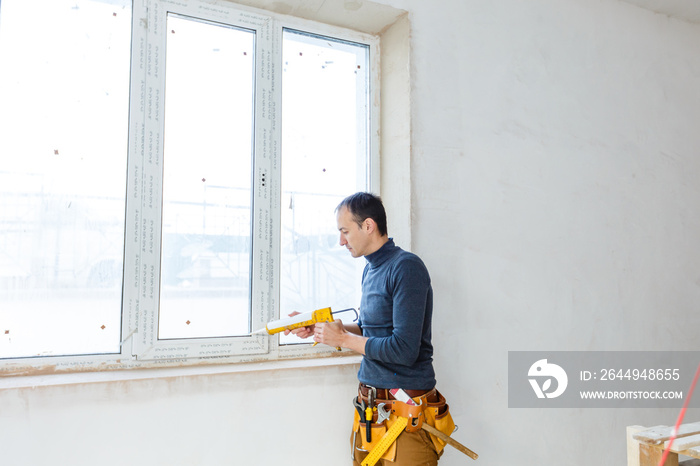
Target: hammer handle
450,440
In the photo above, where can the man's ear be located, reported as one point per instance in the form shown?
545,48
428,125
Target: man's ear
369,225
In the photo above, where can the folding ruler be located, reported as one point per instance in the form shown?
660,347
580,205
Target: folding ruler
385,442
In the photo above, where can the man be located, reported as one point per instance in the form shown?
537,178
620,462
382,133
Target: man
393,331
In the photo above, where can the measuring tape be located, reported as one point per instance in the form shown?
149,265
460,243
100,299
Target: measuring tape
385,442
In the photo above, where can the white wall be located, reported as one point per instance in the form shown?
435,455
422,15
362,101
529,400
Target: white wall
555,201
255,418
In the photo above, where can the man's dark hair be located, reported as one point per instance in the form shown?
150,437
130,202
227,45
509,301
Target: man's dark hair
363,206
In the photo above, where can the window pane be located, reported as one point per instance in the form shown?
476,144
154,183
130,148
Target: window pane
205,272
324,158
64,90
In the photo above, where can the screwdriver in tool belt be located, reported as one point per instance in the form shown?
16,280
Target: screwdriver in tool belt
369,415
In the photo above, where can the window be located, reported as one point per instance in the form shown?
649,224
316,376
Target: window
168,177
207,184
64,112
323,159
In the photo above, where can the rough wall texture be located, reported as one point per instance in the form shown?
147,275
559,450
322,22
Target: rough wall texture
556,202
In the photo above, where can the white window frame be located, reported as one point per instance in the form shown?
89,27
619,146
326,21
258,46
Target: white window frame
140,346
142,264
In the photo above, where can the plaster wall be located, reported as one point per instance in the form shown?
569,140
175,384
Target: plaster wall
556,203
554,198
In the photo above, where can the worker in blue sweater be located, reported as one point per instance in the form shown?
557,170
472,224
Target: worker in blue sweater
393,333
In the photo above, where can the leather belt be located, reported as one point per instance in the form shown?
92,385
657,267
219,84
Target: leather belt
384,394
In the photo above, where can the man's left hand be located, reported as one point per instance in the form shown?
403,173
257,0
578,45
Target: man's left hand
330,333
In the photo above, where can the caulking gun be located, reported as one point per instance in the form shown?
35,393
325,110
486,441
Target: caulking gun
302,320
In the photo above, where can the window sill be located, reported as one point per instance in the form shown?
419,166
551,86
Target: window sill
33,381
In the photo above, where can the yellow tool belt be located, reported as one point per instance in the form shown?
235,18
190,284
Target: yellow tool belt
433,410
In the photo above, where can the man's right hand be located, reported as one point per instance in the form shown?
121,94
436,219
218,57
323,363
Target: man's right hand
301,332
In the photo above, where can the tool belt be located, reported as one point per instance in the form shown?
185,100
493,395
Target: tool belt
432,409
432,397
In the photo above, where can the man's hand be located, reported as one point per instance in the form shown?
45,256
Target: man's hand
330,333
301,332
333,334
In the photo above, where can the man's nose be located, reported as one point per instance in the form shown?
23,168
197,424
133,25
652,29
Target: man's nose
343,242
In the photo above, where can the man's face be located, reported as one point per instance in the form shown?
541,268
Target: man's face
352,236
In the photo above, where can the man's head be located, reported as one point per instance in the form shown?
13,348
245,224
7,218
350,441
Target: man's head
362,223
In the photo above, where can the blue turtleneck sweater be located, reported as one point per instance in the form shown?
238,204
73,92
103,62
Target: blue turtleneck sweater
395,314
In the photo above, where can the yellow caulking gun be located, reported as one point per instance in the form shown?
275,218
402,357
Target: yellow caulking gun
302,320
